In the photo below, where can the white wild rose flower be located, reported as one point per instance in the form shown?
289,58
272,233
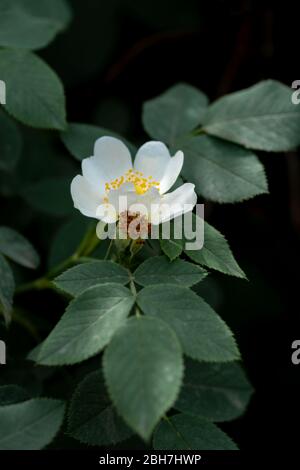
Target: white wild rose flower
111,187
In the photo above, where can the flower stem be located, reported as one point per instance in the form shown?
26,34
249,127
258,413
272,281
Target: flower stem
61,267
134,293
88,243
109,249
37,284
86,247
198,131
93,242
133,288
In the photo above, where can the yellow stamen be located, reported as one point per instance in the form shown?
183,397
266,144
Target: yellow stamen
140,182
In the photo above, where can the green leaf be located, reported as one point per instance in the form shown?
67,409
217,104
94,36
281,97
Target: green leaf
10,394
202,333
159,270
174,113
7,288
77,279
221,171
28,24
17,248
91,418
51,196
261,117
80,139
183,432
35,95
143,371
88,325
216,253
218,392
172,248
10,143
30,425
34,353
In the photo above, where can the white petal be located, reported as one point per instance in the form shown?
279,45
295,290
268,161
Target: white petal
172,172
143,202
152,159
112,158
121,198
107,213
84,197
178,202
92,172
125,199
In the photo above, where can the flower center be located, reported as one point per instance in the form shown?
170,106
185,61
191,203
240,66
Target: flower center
140,182
134,225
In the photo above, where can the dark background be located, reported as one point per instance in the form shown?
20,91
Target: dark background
116,55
